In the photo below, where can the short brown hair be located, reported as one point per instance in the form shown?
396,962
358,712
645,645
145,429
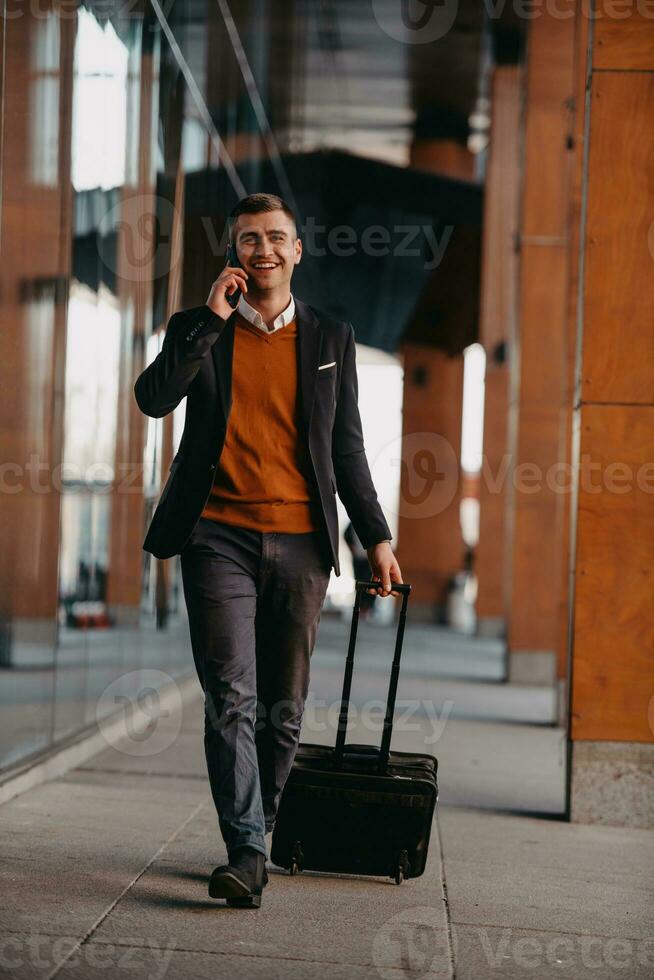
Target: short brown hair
258,203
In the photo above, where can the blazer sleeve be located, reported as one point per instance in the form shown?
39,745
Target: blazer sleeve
353,479
190,335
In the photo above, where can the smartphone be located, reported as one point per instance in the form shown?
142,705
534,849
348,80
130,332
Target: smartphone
232,259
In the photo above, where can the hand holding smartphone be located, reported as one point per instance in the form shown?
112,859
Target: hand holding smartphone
233,263
227,289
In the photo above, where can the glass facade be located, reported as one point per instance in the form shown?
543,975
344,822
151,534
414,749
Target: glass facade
104,117
128,132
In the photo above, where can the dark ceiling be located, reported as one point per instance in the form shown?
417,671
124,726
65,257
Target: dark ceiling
333,74
321,101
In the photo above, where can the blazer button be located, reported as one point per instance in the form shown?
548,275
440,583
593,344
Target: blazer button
212,466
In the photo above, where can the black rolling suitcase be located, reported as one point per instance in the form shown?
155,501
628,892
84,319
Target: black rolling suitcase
358,809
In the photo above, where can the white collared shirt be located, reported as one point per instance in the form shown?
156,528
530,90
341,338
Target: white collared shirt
254,317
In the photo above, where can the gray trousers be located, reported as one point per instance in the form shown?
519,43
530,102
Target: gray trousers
254,601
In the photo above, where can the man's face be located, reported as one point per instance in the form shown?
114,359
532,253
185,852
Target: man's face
267,247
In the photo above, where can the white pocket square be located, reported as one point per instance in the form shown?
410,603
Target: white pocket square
322,366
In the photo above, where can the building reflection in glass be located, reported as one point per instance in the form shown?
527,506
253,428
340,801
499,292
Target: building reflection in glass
78,596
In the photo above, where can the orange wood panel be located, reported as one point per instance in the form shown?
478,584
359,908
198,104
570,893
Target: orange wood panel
540,492
36,228
576,203
618,349
625,42
539,384
543,325
613,673
498,325
490,559
533,621
501,224
135,293
564,515
550,87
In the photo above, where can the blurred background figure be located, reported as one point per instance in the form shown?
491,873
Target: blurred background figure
461,595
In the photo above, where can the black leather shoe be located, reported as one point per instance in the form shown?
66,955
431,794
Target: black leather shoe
264,880
242,880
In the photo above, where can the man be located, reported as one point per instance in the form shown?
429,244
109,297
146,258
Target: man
272,431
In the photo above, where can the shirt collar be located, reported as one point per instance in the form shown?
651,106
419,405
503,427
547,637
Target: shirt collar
254,317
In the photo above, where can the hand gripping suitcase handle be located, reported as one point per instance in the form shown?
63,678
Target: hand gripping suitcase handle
385,749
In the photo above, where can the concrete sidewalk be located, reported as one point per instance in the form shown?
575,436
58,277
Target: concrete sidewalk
105,870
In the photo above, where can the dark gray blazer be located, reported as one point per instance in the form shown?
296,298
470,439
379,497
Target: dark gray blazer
196,361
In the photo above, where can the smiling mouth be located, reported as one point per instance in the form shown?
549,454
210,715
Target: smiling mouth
265,266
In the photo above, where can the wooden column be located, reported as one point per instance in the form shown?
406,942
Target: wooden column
430,546
612,704
36,235
136,243
497,333
540,396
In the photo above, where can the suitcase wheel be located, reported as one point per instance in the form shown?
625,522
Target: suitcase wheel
402,868
297,856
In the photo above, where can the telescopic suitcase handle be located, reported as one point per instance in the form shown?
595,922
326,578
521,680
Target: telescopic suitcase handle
385,749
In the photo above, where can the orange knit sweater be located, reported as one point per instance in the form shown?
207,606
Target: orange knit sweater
263,479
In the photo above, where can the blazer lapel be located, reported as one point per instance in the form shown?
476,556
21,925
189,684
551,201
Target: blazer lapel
309,341
223,355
